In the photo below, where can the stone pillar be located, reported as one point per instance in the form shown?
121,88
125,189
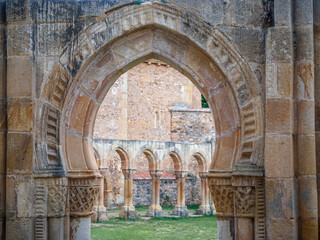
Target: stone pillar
204,208
18,126
280,180
180,209
305,114
128,210
223,197
108,195
83,193
155,210
101,209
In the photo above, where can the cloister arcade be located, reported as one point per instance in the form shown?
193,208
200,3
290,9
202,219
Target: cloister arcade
155,151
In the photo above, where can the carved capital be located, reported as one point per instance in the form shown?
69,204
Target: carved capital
155,175
181,175
83,193
129,173
222,197
203,176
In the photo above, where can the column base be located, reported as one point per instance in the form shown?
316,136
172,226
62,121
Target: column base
128,214
155,213
204,210
180,212
102,216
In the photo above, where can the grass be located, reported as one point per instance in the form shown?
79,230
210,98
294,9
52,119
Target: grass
169,228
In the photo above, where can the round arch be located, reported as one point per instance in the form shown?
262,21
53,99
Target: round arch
202,161
150,155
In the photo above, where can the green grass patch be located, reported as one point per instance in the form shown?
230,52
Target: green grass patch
156,228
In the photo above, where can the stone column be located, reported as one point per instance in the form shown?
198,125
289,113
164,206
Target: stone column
204,208
181,209
108,195
101,209
128,210
83,193
305,146
155,210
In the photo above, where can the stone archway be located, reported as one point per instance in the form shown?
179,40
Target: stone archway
125,37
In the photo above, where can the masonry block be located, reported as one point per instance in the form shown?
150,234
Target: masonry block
20,114
19,152
19,77
279,161
279,115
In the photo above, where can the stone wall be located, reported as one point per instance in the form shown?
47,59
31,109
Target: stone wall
137,107
191,125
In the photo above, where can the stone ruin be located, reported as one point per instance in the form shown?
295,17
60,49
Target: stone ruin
256,62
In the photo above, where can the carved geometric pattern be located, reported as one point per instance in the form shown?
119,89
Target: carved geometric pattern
249,131
82,196
260,212
223,198
40,197
245,200
60,87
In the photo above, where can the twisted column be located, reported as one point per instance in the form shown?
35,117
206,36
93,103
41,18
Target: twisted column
204,208
180,209
155,210
128,210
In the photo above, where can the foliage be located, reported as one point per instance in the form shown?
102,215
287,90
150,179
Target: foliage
204,103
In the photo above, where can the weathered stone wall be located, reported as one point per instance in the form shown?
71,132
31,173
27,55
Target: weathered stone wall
137,106
191,125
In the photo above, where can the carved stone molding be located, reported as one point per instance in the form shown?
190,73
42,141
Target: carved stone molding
83,193
57,196
245,201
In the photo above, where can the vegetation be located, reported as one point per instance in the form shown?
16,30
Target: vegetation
204,102
170,228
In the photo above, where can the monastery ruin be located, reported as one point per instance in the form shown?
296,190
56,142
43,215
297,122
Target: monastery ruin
256,62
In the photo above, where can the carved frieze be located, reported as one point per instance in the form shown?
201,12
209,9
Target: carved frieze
83,193
57,196
245,201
